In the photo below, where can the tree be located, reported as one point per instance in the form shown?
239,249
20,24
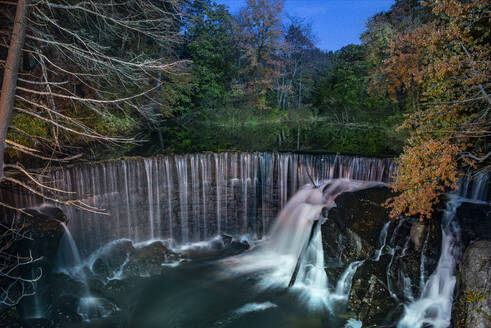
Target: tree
298,43
10,76
83,59
442,67
68,62
209,44
260,39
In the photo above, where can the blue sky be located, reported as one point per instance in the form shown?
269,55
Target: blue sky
335,23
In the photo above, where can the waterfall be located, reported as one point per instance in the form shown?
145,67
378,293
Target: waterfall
343,286
474,186
434,306
292,243
382,240
182,178
69,262
68,257
192,197
149,177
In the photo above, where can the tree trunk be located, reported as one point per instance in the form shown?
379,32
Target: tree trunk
10,73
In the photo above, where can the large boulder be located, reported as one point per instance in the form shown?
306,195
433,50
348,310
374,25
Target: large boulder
474,303
108,262
362,212
44,229
352,228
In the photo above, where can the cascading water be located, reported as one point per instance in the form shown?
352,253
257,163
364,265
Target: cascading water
434,306
382,241
190,198
68,256
193,197
275,261
69,262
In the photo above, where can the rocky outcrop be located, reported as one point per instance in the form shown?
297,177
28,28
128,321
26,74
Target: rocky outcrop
352,227
362,212
473,307
45,231
394,253
474,303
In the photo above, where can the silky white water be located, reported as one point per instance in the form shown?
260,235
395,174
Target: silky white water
434,306
69,262
275,260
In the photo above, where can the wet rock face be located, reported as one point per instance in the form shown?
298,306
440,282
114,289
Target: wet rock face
352,228
474,304
475,222
357,230
418,234
362,212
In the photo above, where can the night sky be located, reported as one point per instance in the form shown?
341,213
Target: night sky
335,23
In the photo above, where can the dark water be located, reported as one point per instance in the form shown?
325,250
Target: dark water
205,294
293,135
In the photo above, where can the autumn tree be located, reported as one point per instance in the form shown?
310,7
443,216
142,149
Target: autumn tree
260,39
442,67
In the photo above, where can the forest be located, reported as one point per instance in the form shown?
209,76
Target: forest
87,82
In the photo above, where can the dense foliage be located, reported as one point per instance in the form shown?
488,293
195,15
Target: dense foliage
436,63
261,71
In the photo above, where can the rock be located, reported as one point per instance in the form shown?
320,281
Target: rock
226,239
240,245
109,260
64,309
45,231
362,212
418,234
116,289
60,283
389,276
90,308
475,221
474,304
148,260
42,226
352,228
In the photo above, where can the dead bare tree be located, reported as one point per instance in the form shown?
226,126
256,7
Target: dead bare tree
68,60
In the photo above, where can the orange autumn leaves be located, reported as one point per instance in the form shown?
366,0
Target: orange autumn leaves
442,69
426,169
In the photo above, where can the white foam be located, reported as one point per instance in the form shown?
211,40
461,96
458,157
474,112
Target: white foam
353,323
254,307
